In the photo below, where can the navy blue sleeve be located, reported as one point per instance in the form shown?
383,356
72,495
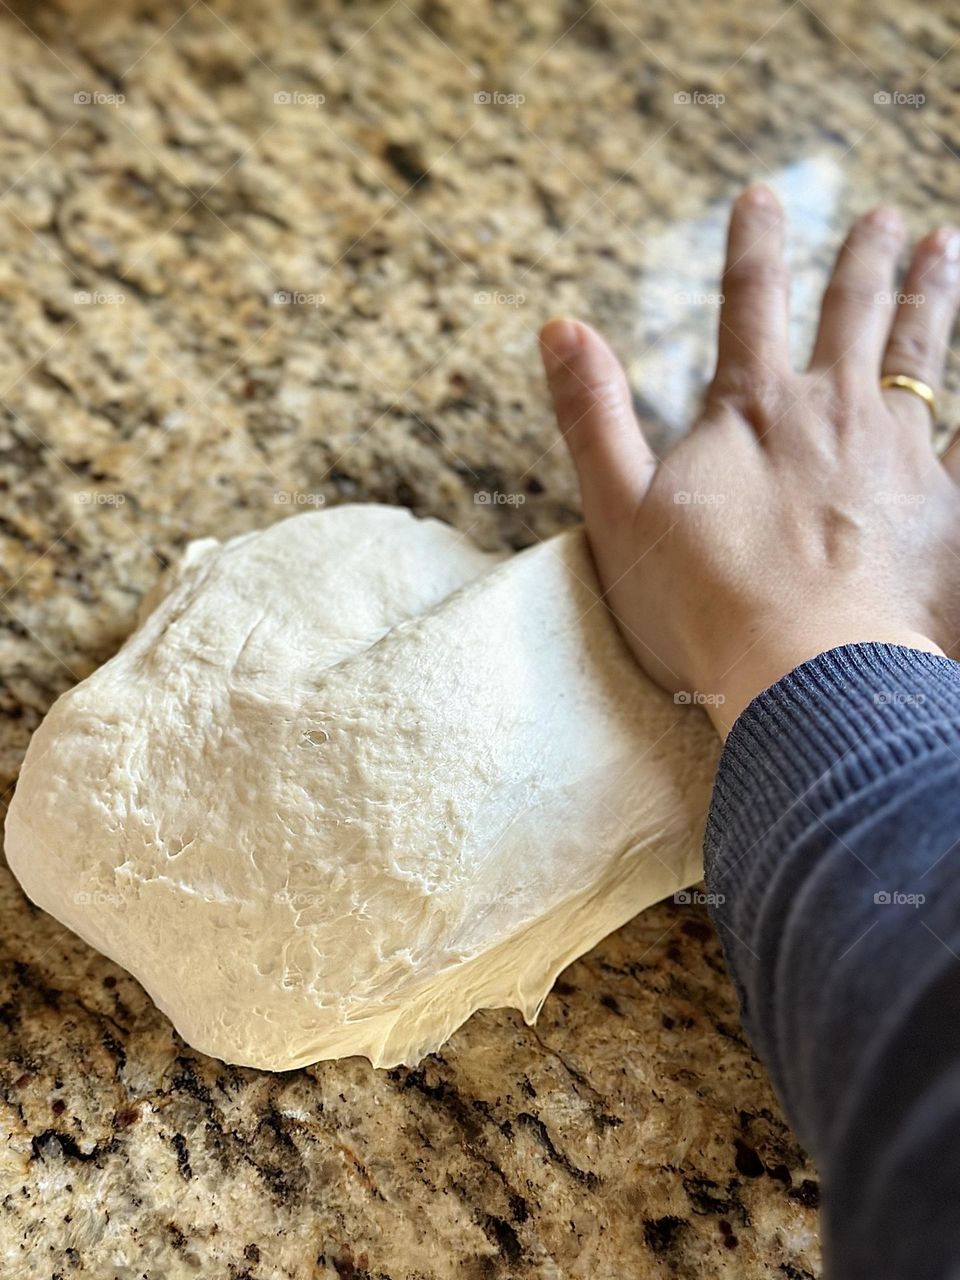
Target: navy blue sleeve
833,861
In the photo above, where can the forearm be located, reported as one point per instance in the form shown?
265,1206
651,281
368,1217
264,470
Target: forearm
839,788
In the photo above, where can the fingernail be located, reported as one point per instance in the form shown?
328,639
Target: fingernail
887,220
947,242
759,193
559,341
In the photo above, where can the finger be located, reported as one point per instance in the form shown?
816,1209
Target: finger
858,303
753,319
920,336
951,456
594,408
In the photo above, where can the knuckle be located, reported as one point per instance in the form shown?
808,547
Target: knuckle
853,292
756,223
875,236
608,395
582,397
910,349
601,400
588,405
751,391
755,275
843,399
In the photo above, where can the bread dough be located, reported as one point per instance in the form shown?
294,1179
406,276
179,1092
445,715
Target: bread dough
352,779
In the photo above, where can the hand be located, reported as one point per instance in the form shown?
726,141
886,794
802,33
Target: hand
804,510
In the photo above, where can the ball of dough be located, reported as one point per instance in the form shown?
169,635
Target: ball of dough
353,778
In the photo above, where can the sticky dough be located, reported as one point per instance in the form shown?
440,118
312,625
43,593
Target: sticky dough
352,779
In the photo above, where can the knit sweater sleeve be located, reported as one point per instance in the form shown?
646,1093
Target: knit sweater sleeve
833,861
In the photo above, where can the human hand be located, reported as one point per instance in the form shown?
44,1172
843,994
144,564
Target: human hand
804,510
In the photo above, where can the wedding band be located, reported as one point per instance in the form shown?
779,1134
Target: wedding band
903,382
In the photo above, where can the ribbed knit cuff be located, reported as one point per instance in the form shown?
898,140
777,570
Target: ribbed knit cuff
843,719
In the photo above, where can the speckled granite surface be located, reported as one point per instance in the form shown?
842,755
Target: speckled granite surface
262,254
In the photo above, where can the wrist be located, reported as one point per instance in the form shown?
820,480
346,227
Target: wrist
730,693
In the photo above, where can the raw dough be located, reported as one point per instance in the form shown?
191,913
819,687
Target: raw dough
352,779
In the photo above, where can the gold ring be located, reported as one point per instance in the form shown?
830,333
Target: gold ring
903,382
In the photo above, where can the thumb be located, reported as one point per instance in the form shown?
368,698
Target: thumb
592,401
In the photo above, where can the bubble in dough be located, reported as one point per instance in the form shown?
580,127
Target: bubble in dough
352,779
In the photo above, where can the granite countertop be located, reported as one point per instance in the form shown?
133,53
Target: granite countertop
259,255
